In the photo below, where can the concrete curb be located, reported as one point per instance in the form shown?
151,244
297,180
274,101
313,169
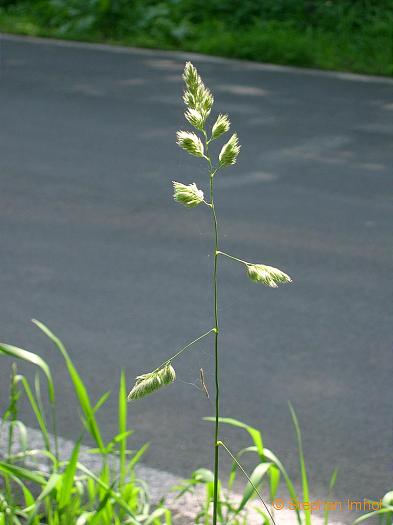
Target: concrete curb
160,483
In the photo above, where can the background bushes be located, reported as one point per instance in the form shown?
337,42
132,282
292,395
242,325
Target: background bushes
354,35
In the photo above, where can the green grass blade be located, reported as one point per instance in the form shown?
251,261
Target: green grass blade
132,518
51,484
22,434
266,519
79,387
254,433
40,416
137,456
68,477
330,490
275,476
22,473
34,359
256,479
122,416
371,515
234,467
103,399
306,492
291,489
48,488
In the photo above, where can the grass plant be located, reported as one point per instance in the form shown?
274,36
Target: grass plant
199,101
40,487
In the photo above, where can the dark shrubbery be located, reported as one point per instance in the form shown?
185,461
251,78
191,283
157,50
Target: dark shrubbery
354,35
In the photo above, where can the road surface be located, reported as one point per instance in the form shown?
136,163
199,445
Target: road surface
93,245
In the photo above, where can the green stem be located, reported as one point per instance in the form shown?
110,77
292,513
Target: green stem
232,257
183,350
54,429
212,173
217,379
220,443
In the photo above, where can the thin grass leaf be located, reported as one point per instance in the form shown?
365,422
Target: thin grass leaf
50,485
371,515
40,416
254,433
306,493
84,518
35,452
104,512
255,488
22,473
122,417
28,496
119,437
131,516
256,478
22,434
266,519
210,498
387,510
79,386
330,490
232,475
34,359
103,399
274,482
157,514
137,456
203,475
68,477
387,500
291,489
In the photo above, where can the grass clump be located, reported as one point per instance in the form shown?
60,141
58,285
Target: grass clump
40,487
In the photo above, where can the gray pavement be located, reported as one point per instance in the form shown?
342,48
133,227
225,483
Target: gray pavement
92,244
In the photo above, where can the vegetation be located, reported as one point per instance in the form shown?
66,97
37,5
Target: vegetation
352,35
199,103
67,492
385,513
237,511
42,487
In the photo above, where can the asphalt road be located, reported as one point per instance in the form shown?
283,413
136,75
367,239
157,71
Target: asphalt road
93,245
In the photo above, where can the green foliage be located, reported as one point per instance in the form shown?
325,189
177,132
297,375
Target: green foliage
385,513
267,481
353,35
67,491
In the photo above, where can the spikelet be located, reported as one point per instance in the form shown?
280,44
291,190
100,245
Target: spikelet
191,77
148,383
221,126
188,195
190,142
230,151
267,275
195,118
196,95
